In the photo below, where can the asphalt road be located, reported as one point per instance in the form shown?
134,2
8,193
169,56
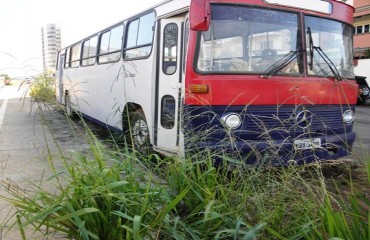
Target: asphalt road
361,147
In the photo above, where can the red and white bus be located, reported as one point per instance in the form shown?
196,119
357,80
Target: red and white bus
260,79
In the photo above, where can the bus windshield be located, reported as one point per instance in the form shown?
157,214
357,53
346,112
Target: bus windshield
328,39
243,39
252,40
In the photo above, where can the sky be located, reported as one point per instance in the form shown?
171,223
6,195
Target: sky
21,22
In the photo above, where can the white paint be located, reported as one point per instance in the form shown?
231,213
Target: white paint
362,69
2,111
101,91
314,5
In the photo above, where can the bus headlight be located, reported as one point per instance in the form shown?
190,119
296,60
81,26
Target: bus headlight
348,116
231,120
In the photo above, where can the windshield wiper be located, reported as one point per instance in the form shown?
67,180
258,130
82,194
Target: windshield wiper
322,54
285,60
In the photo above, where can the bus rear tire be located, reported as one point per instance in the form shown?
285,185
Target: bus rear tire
139,132
68,106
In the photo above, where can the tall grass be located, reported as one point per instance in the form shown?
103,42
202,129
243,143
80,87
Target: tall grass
42,88
109,194
116,193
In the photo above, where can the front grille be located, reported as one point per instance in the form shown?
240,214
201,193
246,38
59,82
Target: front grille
277,122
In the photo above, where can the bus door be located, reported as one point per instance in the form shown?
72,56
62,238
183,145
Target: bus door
169,82
60,93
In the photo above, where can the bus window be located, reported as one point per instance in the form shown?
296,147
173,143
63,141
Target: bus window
75,56
168,107
170,49
247,39
331,36
66,60
140,37
110,45
89,51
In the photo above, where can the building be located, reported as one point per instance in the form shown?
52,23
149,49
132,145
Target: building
51,44
361,38
361,30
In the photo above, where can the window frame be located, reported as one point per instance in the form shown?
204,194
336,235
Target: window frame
125,48
363,29
299,58
358,27
71,60
89,57
163,48
99,54
325,50
66,59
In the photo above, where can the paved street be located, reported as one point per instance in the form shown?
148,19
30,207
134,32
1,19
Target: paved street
362,128
26,143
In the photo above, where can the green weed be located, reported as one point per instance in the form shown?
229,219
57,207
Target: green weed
115,193
42,88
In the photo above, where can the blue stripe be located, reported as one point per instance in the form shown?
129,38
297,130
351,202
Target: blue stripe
269,129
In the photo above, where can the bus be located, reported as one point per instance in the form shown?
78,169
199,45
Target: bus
257,80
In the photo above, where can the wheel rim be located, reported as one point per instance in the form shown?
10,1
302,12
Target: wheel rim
366,91
140,133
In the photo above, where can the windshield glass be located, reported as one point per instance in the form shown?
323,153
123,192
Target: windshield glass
335,41
244,39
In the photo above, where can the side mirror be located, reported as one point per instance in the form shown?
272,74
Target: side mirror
200,15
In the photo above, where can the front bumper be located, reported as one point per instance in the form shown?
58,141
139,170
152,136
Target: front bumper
279,152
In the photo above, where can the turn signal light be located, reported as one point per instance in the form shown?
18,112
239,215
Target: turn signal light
199,88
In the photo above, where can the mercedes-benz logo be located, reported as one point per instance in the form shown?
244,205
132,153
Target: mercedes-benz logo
304,119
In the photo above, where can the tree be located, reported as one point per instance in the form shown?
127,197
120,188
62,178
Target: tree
6,78
367,53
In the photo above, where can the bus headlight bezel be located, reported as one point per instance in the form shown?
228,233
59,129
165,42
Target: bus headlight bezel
231,120
348,117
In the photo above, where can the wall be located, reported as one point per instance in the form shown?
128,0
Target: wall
360,3
361,40
363,69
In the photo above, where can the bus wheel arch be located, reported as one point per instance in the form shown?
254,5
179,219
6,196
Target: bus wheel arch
127,114
135,127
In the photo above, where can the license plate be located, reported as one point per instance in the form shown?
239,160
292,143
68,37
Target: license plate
307,143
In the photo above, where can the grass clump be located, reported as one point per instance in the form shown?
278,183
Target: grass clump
94,200
111,194
42,88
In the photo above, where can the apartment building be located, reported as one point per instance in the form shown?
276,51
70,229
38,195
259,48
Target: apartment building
361,30
51,44
361,38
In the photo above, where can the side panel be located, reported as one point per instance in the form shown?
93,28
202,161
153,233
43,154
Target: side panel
101,91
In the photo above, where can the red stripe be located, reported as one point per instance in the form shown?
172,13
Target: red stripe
244,90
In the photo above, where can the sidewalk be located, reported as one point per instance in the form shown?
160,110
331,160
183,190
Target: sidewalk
25,144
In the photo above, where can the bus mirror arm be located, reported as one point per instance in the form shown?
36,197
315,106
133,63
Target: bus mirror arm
200,15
